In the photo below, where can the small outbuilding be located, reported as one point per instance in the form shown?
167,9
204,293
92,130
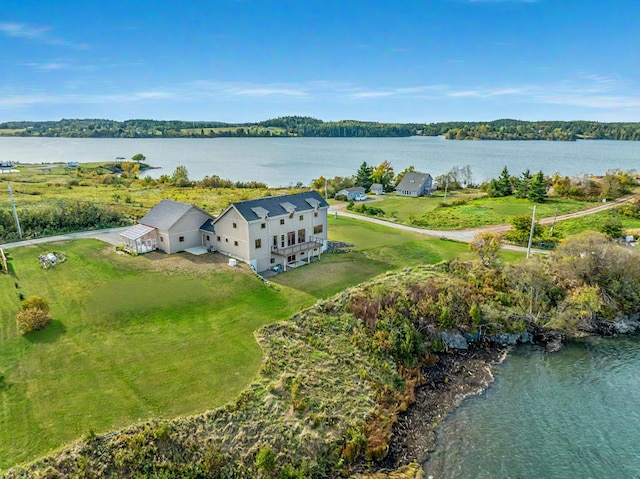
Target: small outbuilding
376,189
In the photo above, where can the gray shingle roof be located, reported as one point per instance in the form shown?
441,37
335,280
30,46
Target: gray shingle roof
274,204
412,181
165,214
354,189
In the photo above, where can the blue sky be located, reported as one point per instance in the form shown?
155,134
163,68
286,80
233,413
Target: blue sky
246,60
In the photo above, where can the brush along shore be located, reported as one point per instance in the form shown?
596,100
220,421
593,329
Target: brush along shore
335,392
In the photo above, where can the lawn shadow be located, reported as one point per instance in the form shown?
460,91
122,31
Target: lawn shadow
50,334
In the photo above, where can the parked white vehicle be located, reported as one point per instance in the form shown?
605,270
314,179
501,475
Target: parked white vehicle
361,197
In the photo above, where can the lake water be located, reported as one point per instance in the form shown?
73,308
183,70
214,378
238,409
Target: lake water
286,161
571,414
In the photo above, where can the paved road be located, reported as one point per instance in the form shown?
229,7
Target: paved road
111,235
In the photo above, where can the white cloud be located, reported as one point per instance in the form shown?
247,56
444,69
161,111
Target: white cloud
37,34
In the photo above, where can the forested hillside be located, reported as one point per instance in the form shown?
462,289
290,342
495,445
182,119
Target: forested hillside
288,126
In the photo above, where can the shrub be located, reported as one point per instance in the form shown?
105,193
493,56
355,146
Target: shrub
35,302
34,314
29,320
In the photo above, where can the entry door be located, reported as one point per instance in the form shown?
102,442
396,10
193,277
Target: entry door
291,238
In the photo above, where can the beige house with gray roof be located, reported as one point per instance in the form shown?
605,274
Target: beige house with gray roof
273,232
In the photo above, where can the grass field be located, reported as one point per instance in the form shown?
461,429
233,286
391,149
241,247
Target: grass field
427,212
593,223
132,338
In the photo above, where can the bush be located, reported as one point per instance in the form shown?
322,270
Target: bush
29,320
34,314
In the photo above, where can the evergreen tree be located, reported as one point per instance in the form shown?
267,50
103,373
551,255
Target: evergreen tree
363,177
504,183
538,188
523,185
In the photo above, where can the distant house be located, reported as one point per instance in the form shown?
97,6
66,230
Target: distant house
351,193
273,232
170,226
415,184
376,189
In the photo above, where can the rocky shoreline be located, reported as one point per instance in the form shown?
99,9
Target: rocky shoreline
454,376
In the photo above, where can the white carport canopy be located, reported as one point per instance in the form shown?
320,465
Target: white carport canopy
137,231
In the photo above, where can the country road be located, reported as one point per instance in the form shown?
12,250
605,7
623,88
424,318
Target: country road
467,235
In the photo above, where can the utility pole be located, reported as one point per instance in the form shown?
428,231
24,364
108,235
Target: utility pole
15,212
446,187
533,224
554,222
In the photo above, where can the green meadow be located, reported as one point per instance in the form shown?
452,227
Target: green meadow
468,209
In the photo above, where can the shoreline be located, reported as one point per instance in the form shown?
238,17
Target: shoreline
455,376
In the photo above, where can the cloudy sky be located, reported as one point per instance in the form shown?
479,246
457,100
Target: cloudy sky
379,60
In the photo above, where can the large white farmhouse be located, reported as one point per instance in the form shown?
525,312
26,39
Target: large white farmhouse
272,231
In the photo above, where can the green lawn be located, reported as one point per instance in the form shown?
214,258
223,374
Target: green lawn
132,338
593,223
427,212
377,249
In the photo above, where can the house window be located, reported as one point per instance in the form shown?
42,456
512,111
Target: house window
282,221
235,225
258,243
263,225
208,239
181,239
235,243
315,214
282,241
161,239
301,235
275,241
317,229
301,217
273,260
226,240
218,238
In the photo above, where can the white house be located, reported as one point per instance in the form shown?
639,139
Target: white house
351,193
273,231
415,183
170,226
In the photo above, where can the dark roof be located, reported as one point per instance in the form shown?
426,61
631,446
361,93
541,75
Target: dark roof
165,214
276,205
207,226
412,181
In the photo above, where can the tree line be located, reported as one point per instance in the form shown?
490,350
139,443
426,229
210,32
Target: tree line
303,126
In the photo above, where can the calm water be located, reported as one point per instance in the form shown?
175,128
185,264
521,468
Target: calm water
572,414
285,161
